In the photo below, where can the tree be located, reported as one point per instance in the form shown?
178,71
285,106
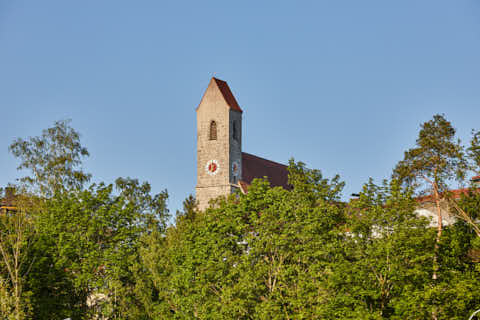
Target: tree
17,233
53,158
87,239
473,154
381,272
93,236
437,159
189,212
260,255
473,150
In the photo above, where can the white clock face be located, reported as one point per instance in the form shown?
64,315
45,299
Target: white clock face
212,167
235,168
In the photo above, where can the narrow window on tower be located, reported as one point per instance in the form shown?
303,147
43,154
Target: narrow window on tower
213,130
235,130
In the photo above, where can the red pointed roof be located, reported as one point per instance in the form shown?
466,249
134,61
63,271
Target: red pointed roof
256,167
227,94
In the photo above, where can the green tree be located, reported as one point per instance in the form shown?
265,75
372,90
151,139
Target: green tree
189,212
17,233
382,271
54,161
437,159
53,158
473,154
93,236
473,151
86,253
262,255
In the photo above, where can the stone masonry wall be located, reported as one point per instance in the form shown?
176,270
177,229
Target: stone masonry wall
212,107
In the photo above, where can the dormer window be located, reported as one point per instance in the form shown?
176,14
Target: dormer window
213,131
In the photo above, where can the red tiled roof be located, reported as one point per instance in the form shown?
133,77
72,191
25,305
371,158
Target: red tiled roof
456,194
256,167
227,94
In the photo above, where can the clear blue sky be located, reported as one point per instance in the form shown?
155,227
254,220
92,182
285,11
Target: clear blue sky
340,85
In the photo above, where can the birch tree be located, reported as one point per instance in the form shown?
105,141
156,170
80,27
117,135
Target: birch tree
16,236
54,159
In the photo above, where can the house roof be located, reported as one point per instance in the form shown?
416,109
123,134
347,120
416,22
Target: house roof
9,199
256,167
227,94
456,194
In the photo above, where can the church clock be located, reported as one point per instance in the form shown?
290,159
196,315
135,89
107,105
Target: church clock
235,168
212,167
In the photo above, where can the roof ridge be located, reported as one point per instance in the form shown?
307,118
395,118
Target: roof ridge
252,155
227,94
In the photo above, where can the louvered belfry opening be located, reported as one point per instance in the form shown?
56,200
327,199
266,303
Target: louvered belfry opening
213,130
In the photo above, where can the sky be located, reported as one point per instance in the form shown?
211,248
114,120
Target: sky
340,85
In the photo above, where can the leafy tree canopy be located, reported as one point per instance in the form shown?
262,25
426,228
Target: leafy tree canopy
54,159
438,156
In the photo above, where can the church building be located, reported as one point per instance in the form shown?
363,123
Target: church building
222,166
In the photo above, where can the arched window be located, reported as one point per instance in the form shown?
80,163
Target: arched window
213,130
235,130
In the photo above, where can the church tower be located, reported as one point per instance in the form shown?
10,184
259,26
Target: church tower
219,143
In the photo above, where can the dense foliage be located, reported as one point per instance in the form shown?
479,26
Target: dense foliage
108,250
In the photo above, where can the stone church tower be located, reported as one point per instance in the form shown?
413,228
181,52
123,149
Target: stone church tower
219,143
222,167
